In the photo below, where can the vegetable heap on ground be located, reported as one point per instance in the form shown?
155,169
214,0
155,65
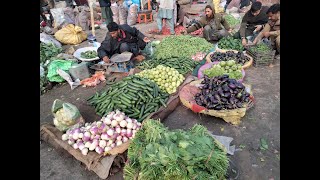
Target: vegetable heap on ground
181,46
181,64
137,97
168,79
232,20
157,153
225,67
102,136
221,92
262,47
239,57
230,43
47,51
89,54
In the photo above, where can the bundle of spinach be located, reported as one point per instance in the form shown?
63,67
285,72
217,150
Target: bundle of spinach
159,154
181,46
48,51
230,43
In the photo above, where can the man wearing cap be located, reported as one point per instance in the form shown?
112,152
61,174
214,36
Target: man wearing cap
121,38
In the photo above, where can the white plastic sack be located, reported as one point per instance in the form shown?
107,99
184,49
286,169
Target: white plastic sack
115,11
45,38
123,14
132,15
58,16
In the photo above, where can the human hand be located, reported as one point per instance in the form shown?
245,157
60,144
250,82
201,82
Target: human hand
146,39
266,34
258,28
244,42
230,30
106,59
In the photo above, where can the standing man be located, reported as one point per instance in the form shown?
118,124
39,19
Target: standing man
212,24
121,38
272,28
166,8
106,11
252,22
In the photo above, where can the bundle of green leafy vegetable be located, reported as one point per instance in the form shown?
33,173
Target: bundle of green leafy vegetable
232,20
181,46
230,43
157,153
89,54
262,47
47,51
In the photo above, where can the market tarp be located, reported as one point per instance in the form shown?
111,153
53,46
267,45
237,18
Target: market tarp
53,75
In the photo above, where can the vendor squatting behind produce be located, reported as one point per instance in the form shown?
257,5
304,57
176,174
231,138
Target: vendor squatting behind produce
121,38
212,24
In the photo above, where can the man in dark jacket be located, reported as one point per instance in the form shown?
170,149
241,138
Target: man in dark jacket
121,38
252,22
106,11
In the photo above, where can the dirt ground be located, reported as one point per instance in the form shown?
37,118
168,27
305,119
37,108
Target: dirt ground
262,121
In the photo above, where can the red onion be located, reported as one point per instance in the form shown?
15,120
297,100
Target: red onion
86,138
94,130
81,146
97,136
75,135
75,146
113,145
109,142
106,149
77,130
87,134
118,129
129,120
139,124
134,126
104,136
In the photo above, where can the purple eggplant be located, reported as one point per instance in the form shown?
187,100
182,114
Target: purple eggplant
224,99
227,94
217,97
232,86
239,105
219,107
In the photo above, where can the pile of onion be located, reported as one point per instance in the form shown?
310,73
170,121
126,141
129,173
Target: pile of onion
102,136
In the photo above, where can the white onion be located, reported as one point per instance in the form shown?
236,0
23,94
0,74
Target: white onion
107,120
110,132
113,145
79,141
94,130
75,146
109,142
75,135
129,120
123,132
119,138
119,143
77,130
106,149
86,124
99,123
81,146
135,121
65,137
86,138
129,125
134,126
70,142
124,139
114,123
84,151
123,123
118,129
97,137
80,136
99,150
95,141
87,134
104,136
139,124
129,131
93,146
87,144
102,143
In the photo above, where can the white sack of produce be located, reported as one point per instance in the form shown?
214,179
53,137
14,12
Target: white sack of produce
65,115
123,14
102,136
115,12
132,15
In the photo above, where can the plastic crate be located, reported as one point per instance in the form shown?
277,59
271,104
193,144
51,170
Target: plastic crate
261,58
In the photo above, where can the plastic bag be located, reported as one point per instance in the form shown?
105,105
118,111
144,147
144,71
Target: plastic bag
123,14
70,35
65,115
58,16
69,15
132,15
52,75
67,77
45,38
115,12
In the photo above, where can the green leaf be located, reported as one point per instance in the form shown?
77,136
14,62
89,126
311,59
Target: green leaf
263,145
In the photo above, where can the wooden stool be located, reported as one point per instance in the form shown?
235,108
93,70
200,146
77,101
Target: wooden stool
144,14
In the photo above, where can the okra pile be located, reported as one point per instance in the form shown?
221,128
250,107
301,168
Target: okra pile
137,97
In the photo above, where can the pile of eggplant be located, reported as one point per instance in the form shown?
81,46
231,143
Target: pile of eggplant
239,57
221,92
